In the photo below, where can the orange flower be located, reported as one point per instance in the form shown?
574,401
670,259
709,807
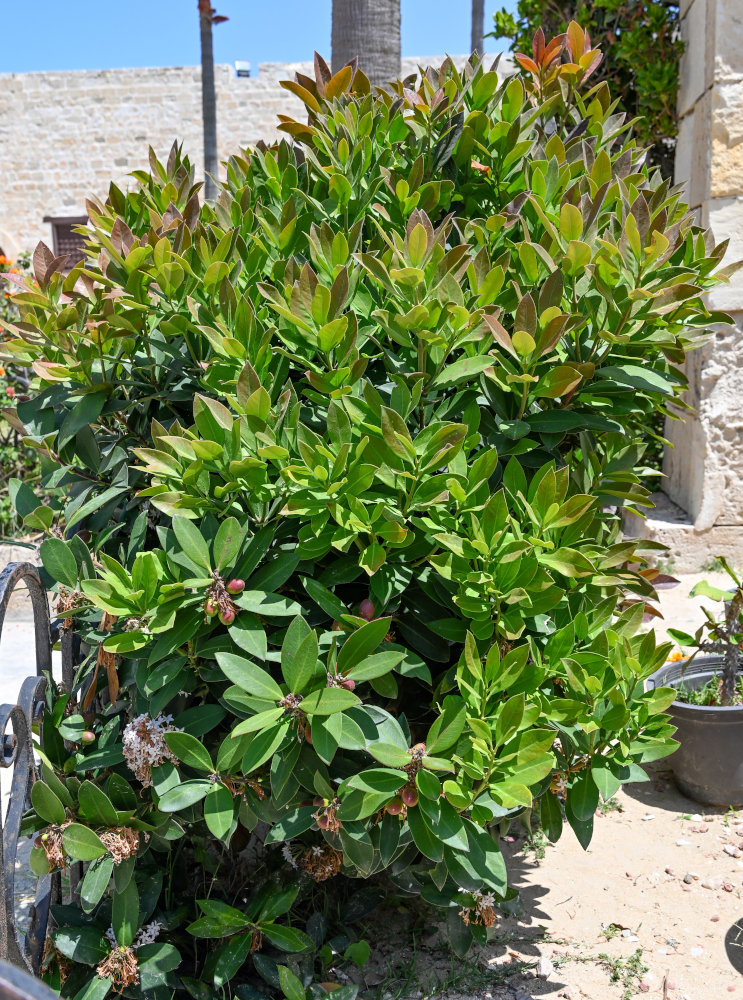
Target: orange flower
13,270
4,259
2,371
675,657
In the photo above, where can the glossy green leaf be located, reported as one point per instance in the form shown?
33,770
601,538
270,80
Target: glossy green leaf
95,882
82,843
362,643
46,804
59,562
125,914
327,701
184,795
249,677
189,751
218,810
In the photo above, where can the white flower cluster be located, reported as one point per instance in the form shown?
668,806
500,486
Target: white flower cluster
483,912
288,856
136,625
144,745
146,935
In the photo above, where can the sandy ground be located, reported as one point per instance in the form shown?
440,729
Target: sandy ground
645,912
657,878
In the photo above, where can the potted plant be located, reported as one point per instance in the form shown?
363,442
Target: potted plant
345,444
708,710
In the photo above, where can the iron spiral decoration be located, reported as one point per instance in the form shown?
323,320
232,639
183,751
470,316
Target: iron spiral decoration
21,954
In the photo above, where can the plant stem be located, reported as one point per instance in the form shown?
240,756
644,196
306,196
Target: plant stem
732,650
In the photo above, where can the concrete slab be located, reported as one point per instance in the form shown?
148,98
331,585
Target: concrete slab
688,548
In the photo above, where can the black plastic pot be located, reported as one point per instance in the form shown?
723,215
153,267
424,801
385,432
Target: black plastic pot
708,765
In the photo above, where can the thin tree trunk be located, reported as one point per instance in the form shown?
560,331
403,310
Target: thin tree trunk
478,26
368,30
208,100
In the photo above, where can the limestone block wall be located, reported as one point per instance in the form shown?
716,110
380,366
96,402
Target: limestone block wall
64,136
705,468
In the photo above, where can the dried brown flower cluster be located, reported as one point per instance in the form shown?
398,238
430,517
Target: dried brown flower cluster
292,706
51,842
290,703
68,600
417,753
63,964
121,843
559,783
255,784
320,862
121,967
326,817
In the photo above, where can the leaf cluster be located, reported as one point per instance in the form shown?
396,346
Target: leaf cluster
644,50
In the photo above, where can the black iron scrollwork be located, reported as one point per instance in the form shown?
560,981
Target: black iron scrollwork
16,752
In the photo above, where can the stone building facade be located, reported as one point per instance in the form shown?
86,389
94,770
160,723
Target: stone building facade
700,511
64,136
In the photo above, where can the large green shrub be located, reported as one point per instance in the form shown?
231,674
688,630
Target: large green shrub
336,460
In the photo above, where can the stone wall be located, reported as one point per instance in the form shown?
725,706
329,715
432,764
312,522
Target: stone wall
64,136
705,468
701,510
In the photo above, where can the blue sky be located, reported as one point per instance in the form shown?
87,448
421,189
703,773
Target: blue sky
97,34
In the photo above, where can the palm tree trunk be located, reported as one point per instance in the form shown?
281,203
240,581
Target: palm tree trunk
208,100
368,30
478,26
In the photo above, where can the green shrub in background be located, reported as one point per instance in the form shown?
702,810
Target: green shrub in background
643,74
335,458
643,70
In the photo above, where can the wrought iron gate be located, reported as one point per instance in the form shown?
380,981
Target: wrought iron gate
25,951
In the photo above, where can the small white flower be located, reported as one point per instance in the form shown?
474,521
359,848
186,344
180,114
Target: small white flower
148,934
136,625
287,854
144,745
